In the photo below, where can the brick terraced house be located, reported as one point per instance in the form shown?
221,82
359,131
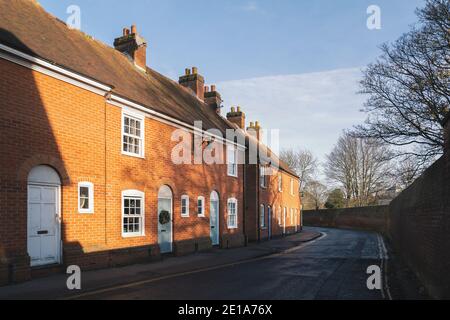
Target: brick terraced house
86,165
272,189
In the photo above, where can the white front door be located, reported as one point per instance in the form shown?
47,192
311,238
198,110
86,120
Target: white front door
44,236
284,220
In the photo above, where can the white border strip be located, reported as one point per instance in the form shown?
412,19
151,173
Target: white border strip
123,103
75,79
55,68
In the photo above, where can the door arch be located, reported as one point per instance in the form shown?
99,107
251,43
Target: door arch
165,226
214,218
44,216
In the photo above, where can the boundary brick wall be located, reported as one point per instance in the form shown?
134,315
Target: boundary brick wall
419,227
367,218
417,222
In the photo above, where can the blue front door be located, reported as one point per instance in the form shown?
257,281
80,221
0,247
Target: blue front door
214,219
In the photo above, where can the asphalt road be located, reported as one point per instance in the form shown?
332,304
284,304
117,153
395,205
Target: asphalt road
332,267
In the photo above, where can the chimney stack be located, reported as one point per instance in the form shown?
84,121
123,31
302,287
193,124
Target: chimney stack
255,129
236,116
133,45
193,81
213,99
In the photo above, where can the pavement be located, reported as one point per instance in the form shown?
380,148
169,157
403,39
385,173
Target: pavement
54,286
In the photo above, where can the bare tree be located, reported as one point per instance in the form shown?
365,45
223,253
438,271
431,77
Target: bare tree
315,195
409,88
360,166
303,162
405,172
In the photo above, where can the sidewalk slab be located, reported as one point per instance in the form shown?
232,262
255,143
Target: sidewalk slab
54,286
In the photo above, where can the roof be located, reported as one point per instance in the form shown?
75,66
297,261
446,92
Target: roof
27,27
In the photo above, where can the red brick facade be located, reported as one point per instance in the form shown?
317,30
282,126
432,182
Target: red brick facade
45,121
282,209
71,124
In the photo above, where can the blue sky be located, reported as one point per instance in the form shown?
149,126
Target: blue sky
300,58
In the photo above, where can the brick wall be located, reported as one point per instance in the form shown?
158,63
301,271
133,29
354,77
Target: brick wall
276,200
420,225
367,218
417,222
47,121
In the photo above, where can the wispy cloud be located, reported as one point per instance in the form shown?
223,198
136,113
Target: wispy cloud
311,110
251,6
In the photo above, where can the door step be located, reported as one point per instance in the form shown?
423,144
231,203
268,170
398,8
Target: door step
45,271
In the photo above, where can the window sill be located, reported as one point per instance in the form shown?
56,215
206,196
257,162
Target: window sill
133,155
91,212
135,235
233,176
201,216
185,216
232,228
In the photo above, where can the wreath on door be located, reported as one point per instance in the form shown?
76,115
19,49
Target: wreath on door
164,217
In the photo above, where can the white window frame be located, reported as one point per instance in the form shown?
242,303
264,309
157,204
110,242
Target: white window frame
292,187
186,214
280,183
133,194
262,216
235,202
138,117
232,168
201,214
280,220
90,186
263,177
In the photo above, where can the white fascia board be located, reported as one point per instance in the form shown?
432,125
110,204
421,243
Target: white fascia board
78,80
123,103
45,67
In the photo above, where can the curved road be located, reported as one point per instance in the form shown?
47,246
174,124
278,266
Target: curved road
332,267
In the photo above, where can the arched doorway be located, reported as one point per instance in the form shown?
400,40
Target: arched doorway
214,218
44,216
165,219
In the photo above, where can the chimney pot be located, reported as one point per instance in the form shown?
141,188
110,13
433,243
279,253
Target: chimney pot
135,47
237,118
252,125
213,88
193,81
206,89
